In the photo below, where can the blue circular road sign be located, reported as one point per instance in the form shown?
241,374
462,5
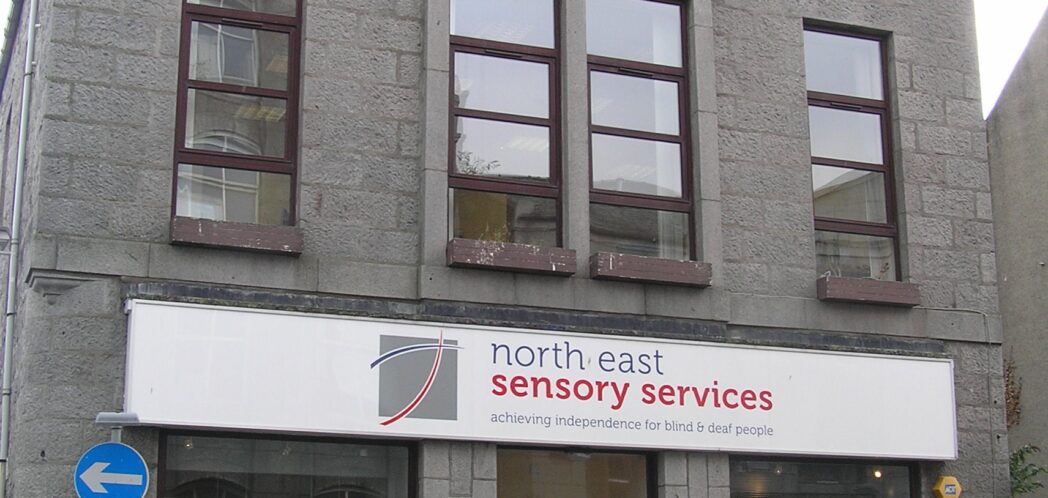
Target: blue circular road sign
111,470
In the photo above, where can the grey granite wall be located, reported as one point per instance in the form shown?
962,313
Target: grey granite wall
1018,153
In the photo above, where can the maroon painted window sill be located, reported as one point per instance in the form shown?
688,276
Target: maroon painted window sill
508,256
865,290
275,239
643,269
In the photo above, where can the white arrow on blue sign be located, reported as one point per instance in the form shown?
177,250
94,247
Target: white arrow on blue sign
111,470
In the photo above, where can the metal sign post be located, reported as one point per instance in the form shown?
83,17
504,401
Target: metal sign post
113,469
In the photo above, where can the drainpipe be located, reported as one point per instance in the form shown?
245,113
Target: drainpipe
16,238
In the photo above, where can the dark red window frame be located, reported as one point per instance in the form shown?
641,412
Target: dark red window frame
252,20
678,75
881,108
551,57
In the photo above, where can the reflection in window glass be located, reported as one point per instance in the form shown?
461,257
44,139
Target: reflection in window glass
554,474
640,232
224,194
634,165
857,256
501,85
240,124
199,467
503,217
238,56
635,30
506,150
280,7
843,65
632,103
757,478
524,22
845,135
849,194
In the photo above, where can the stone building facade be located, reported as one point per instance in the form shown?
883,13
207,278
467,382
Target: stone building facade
1017,159
366,101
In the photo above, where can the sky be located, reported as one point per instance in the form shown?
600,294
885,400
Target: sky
1004,27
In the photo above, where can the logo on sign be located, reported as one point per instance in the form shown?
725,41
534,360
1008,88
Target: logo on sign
950,489
418,378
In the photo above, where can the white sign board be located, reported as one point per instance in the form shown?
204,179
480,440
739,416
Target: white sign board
215,367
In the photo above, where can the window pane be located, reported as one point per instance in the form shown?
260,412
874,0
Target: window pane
859,256
642,232
634,103
198,467
281,7
635,165
846,135
241,124
223,194
238,56
503,217
502,85
635,30
535,473
849,194
753,478
843,65
525,22
507,150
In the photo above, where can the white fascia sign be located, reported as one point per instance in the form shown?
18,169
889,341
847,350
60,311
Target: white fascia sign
196,366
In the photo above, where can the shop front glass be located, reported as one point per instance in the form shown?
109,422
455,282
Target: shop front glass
525,473
219,467
765,478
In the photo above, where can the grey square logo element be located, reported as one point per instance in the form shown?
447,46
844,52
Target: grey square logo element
417,378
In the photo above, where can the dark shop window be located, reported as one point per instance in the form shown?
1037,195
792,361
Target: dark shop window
530,473
769,478
198,466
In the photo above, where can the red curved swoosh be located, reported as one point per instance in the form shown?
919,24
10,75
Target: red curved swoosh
425,388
